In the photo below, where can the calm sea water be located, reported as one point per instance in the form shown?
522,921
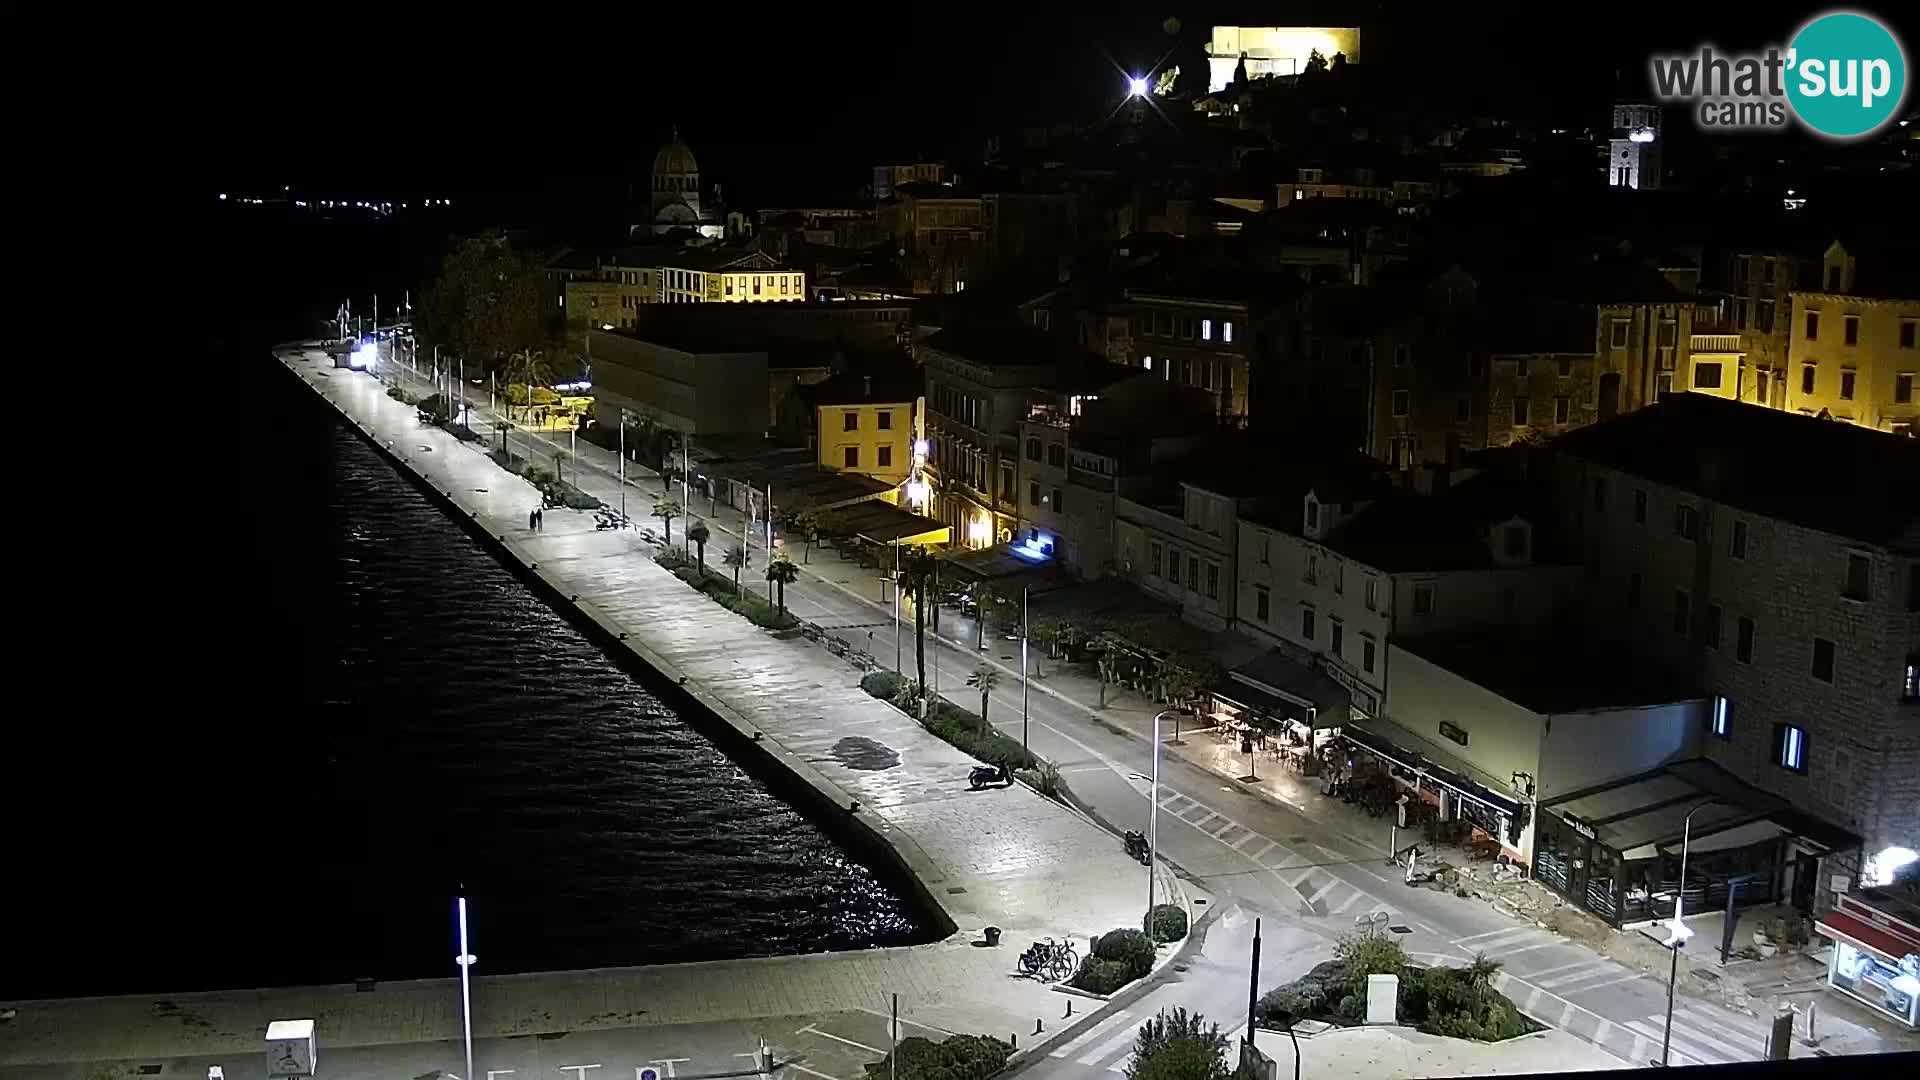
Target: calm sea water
347,711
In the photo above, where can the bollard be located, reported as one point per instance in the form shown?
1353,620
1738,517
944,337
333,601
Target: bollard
1069,1009
1813,1023
1013,1040
1038,1026
1780,1038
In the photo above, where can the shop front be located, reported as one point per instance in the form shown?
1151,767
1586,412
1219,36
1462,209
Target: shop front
1616,849
1276,706
1482,819
1876,951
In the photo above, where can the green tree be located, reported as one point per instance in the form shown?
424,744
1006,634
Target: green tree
1481,972
1178,1045
806,525
920,576
986,680
700,534
781,572
985,599
486,302
666,510
534,372
736,557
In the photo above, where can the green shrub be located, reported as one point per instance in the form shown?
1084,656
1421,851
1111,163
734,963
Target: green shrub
1352,1007
964,731
1045,779
959,1057
1103,977
1178,1045
1168,922
719,589
1368,954
672,558
884,685
1129,946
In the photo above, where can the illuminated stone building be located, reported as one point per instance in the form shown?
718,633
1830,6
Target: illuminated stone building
677,199
1274,50
1852,349
1633,151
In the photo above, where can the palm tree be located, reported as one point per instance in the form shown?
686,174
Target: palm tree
984,597
920,575
985,680
736,557
666,510
780,573
700,534
1482,970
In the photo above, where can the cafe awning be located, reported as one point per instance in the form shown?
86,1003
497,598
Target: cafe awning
1259,702
1644,815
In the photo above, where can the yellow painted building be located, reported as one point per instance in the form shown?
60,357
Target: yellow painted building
1853,354
869,424
729,278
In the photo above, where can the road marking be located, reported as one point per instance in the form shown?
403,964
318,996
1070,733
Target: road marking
1320,890
1261,855
1504,953
1090,1034
1596,969
1566,1017
811,1030
1491,934
1121,1065
904,1020
1601,1030
1653,1034
1348,902
804,1069
1488,943
1220,834
1204,823
1604,983
1106,1049
1250,836
1539,976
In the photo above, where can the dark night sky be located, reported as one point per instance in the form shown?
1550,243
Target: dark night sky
804,99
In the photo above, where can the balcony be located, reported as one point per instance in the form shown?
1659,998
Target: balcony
1714,343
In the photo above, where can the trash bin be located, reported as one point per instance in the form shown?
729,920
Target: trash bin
993,935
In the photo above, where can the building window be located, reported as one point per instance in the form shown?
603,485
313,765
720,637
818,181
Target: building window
1639,506
850,421
1033,493
1339,633
1520,366
1313,514
1402,402
1154,551
1903,387
1213,581
1453,732
1721,722
1686,522
1619,330
1059,504
1633,591
1850,329
1193,574
1813,326
1262,603
1823,659
1706,376
1462,409
1857,585
1366,655
1737,540
1206,329
1339,577
1846,386
886,458
1306,624
1910,685
1662,385
1057,455
851,456
1790,747
1033,449
1713,626
1743,640
1599,494
886,419
1173,566
1423,599
1266,548
1226,331
1519,412
1311,575
1402,353
1806,378
1562,410
1372,593
1564,367
1682,612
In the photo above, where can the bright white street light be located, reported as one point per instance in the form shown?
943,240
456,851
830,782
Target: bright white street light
465,960
1136,87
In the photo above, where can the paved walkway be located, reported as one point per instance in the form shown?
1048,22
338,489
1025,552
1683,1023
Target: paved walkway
1006,858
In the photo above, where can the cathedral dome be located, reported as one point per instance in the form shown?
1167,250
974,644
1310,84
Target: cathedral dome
675,160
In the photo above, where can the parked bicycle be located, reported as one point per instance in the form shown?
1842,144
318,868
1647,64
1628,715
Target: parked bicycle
1050,961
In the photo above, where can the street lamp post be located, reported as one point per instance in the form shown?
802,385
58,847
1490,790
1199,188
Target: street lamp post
1153,820
1678,932
896,609
465,960
1024,591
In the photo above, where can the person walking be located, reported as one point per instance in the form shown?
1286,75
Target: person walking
533,520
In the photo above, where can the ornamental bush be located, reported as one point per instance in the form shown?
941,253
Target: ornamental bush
1128,946
958,1057
1168,922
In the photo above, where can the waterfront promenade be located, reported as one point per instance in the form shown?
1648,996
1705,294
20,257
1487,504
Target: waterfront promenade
1006,858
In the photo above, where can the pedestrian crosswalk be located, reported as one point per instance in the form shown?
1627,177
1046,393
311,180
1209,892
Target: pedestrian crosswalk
1321,891
1698,1037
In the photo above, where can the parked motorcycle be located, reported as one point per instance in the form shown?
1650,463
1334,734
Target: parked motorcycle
984,775
1138,849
